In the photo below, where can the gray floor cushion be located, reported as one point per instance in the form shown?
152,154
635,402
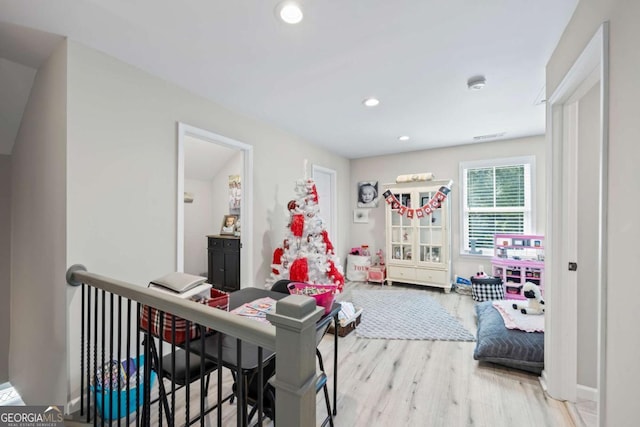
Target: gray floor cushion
508,347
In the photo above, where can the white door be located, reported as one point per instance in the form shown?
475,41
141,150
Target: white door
325,180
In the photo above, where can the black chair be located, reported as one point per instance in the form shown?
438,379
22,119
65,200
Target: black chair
281,286
181,372
269,404
186,373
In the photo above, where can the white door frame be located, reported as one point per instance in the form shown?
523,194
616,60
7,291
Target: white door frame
559,376
246,237
333,215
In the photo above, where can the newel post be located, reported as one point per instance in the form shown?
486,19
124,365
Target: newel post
295,321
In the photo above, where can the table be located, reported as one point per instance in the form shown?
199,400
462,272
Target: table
227,353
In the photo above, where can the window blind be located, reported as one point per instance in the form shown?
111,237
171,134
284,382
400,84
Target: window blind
496,199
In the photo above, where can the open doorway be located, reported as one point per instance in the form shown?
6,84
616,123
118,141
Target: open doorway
214,182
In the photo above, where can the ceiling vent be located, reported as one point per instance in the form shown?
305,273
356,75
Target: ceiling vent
489,136
476,82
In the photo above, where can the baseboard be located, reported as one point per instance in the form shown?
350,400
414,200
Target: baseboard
72,406
586,393
543,380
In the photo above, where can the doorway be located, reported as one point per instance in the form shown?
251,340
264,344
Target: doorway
577,230
207,165
325,180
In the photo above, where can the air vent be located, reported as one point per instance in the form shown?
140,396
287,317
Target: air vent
541,98
490,136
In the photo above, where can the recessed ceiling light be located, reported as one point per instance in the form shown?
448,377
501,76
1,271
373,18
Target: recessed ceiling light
403,138
290,12
371,102
476,82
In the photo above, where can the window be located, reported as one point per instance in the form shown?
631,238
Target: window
496,198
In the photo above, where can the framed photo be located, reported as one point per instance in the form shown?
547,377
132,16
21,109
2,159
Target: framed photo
361,216
235,194
229,224
368,194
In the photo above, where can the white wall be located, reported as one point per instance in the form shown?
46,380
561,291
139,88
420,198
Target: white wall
589,113
444,164
123,123
122,170
37,354
622,346
5,260
199,221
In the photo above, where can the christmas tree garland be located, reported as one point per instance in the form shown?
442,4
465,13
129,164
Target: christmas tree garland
422,211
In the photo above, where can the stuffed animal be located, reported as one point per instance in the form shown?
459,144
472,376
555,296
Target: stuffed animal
535,303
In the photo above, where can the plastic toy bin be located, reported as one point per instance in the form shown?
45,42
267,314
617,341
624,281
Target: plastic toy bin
323,294
107,400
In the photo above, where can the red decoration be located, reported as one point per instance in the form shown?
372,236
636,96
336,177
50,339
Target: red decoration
327,242
336,276
433,204
297,225
314,193
299,271
277,259
292,205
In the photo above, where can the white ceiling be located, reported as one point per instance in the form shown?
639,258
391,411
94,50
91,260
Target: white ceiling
310,79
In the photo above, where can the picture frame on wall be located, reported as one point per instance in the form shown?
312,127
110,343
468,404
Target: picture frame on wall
368,194
229,224
361,216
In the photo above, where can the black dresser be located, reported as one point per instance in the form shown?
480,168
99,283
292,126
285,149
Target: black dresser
224,262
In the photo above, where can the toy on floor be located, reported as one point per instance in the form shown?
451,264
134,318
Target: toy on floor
534,304
480,274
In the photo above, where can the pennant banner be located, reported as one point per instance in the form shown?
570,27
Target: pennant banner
427,209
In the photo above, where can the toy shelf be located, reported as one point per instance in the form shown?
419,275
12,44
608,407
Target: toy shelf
518,259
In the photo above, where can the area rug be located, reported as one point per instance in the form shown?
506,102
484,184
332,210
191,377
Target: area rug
406,315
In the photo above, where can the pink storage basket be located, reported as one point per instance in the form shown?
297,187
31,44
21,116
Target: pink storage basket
324,296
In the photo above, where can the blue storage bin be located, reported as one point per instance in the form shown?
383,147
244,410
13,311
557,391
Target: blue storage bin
107,400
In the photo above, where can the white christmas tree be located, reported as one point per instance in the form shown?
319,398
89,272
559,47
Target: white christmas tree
307,254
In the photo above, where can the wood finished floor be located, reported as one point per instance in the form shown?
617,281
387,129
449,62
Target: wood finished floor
433,383
417,383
